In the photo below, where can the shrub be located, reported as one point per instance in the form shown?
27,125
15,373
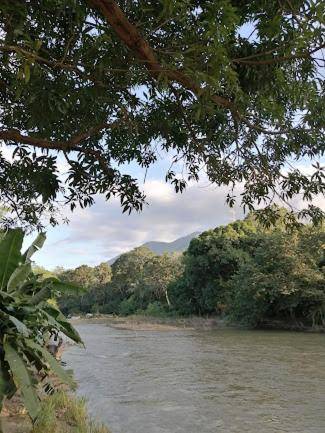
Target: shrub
155,309
128,306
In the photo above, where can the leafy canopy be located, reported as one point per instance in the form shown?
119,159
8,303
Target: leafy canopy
253,274
138,280
284,278
94,280
232,86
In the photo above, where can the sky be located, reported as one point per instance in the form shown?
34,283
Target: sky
102,231
98,233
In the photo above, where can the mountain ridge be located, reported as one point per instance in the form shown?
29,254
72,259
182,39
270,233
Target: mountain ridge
160,247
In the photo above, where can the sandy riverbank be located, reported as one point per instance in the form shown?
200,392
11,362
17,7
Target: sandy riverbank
150,323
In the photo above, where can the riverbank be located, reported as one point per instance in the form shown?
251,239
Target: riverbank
170,323
152,323
60,413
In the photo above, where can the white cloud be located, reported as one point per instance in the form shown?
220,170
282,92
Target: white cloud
102,231
157,191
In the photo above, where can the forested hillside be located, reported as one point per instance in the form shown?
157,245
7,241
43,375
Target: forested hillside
242,271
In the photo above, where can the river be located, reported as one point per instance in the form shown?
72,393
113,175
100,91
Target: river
220,381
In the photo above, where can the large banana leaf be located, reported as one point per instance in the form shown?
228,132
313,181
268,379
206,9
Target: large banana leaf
52,362
64,287
35,246
10,256
24,313
22,379
19,325
43,294
19,276
50,287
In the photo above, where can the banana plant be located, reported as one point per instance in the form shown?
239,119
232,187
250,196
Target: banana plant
27,319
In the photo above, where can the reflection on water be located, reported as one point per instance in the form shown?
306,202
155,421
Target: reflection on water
225,381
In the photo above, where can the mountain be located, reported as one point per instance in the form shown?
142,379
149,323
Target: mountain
178,245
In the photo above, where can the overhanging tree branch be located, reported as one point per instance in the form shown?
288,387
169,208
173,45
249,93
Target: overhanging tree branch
56,64
129,34
132,38
73,144
279,59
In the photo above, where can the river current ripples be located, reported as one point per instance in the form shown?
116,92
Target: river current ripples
185,381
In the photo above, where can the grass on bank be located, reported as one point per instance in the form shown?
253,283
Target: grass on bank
64,413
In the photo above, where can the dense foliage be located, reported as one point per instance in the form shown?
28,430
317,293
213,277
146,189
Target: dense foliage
94,280
231,86
242,271
28,320
210,262
139,282
252,274
283,278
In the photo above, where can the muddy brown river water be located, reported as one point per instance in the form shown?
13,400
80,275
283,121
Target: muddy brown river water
185,381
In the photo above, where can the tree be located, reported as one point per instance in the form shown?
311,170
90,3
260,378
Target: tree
28,320
282,279
103,274
231,86
159,273
210,261
94,280
82,276
137,278
252,272
128,272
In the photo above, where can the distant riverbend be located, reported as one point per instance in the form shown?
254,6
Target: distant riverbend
200,380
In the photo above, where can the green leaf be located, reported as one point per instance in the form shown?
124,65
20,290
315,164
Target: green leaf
68,287
38,44
22,379
52,363
21,327
19,276
6,296
42,295
10,256
57,319
35,246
